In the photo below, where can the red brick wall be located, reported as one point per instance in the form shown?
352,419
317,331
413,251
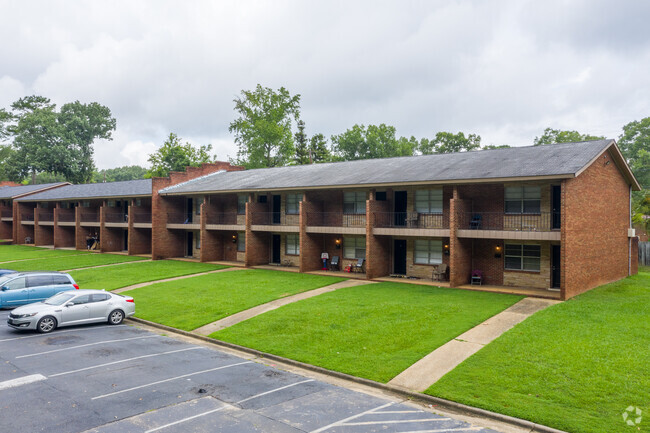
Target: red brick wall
460,262
484,260
9,183
64,236
22,230
595,219
487,199
43,235
378,248
311,244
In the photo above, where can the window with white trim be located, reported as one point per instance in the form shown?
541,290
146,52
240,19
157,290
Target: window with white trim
241,242
354,248
428,252
354,202
428,200
522,257
292,204
292,246
241,204
523,199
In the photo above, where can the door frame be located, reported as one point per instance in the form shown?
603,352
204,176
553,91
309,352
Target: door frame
275,236
556,213
395,249
189,247
556,265
400,215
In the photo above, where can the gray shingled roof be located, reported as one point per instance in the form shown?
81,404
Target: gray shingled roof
129,188
531,161
9,192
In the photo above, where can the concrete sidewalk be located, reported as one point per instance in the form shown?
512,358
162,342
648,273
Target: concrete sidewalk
148,283
260,309
441,361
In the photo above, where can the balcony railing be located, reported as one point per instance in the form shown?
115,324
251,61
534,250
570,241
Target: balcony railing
411,220
116,217
89,217
275,218
141,217
7,214
45,216
27,217
222,218
335,219
66,217
183,218
540,222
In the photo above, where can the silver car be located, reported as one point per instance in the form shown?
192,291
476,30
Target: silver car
72,308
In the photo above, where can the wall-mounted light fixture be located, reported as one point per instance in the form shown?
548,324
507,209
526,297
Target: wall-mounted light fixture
234,239
445,249
337,242
497,252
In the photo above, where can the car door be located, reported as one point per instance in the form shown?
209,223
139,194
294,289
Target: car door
15,292
40,287
99,306
77,310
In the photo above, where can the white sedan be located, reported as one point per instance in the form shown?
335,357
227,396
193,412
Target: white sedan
76,307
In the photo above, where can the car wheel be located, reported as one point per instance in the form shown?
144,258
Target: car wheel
116,317
46,324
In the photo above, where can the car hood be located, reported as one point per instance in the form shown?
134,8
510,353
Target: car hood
36,307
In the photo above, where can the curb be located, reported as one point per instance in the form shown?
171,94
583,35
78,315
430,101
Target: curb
448,405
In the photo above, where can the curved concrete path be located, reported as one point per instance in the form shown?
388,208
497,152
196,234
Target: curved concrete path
428,370
260,309
182,277
106,265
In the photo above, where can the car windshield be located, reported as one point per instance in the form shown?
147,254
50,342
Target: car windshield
58,299
4,279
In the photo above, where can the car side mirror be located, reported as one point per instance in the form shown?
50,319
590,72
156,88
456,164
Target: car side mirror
69,304
4,288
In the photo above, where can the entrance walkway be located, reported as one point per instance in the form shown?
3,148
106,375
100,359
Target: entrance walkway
148,283
256,311
441,361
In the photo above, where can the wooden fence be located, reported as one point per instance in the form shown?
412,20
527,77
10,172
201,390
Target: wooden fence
644,253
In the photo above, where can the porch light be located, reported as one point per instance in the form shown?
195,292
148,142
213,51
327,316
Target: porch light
234,239
337,241
446,249
497,252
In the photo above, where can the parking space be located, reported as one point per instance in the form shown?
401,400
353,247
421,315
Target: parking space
126,379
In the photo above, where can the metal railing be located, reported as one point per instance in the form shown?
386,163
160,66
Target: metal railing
411,220
89,217
46,216
141,217
275,218
7,214
27,217
335,219
183,218
66,217
116,217
540,222
229,218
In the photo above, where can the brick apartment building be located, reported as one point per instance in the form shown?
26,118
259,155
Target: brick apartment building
553,219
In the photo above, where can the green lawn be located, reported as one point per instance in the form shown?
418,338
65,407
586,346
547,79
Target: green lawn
20,252
117,276
193,302
373,331
71,262
575,366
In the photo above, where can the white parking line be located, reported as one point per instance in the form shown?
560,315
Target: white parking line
350,418
61,332
124,360
445,430
396,421
170,379
21,381
86,345
225,406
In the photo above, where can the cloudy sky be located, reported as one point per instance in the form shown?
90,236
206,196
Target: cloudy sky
501,69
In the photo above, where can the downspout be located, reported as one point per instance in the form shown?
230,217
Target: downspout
629,239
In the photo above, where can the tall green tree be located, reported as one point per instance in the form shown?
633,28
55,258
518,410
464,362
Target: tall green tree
551,136
375,141
448,142
118,174
318,149
301,145
173,155
263,128
635,145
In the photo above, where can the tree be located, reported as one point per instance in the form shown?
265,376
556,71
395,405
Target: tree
118,174
495,146
635,145
175,156
318,149
375,141
301,145
448,142
551,136
263,128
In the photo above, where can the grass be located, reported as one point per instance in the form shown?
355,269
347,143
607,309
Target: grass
374,331
193,302
115,277
21,252
575,366
71,262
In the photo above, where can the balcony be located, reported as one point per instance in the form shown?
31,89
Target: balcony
27,218
116,217
141,218
90,219
183,220
275,221
223,221
498,225
7,215
46,218
66,219
336,223
410,224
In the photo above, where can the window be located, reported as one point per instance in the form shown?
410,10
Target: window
197,242
241,204
523,199
293,204
39,280
44,205
111,203
428,200
261,199
99,297
83,299
428,252
354,248
60,279
85,203
354,202
380,196
16,283
241,241
138,202
293,244
522,257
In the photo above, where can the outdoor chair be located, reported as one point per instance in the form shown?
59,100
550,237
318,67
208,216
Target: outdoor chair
358,267
334,264
439,273
412,219
475,223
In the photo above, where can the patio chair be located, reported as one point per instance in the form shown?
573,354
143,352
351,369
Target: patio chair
358,267
475,223
335,264
439,273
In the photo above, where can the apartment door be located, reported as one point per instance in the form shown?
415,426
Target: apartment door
556,206
190,206
556,276
399,257
190,244
275,254
277,204
126,240
400,208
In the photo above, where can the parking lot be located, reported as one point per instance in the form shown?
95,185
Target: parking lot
123,378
